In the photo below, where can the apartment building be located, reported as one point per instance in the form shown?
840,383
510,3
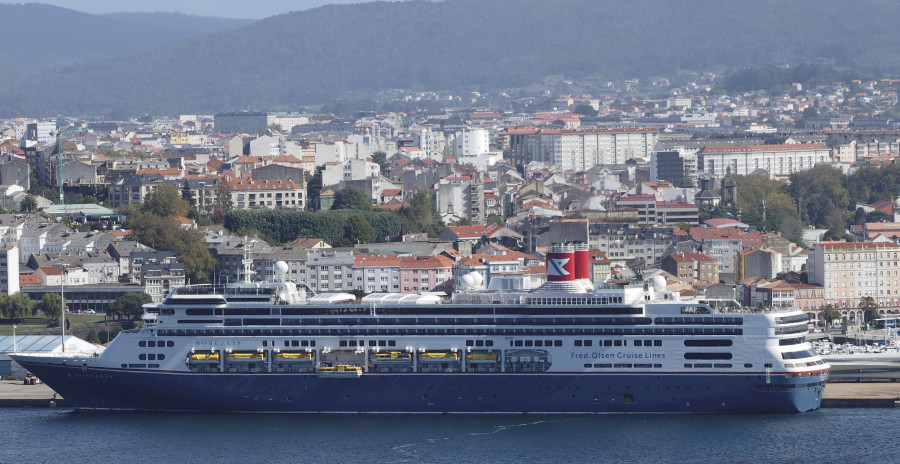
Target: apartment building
850,271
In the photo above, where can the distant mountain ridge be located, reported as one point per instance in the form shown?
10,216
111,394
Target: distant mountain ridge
320,54
196,25
42,36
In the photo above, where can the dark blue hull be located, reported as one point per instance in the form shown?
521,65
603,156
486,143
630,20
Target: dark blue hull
114,389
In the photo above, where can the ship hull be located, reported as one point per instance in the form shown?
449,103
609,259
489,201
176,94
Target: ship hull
140,390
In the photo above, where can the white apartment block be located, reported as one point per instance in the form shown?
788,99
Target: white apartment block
850,271
347,170
581,149
777,160
471,142
267,194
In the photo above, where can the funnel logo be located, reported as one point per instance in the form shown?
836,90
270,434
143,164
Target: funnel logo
557,266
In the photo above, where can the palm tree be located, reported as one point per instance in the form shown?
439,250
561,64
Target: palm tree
869,305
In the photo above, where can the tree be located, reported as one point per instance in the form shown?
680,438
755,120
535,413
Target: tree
494,219
163,233
313,189
164,201
16,306
358,230
186,194
129,305
828,314
351,198
50,305
223,197
29,204
870,307
380,158
878,216
586,110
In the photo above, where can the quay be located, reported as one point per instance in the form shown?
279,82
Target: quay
838,394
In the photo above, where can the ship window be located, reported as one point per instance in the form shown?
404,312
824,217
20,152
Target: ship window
519,343
372,342
160,356
603,365
142,343
151,344
707,356
587,365
142,357
528,343
707,343
588,342
607,342
352,342
170,343
688,366
657,365
577,342
151,357
312,343
124,365
548,342
479,342
295,343
382,343
491,343
637,343
287,343
265,343
748,365
538,343
470,342
657,342
617,342
342,343
392,343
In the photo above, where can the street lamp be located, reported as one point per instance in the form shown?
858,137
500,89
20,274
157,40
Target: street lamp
62,304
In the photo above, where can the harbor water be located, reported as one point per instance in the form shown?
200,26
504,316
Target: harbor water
824,436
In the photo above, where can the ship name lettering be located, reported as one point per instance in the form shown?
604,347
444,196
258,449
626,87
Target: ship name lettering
218,342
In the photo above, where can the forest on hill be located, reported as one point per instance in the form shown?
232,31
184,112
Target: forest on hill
37,36
319,55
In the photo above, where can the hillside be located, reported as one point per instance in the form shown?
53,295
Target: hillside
194,25
42,36
320,54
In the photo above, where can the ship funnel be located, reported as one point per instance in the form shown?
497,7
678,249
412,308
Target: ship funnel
561,263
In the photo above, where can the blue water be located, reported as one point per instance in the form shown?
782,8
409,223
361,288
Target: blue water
825,436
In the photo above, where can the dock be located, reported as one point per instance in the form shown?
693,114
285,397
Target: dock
838,394
15,394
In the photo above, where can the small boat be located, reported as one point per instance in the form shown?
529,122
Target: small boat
340,371
204,358
392,357
438,356
476,358
245,356
293,356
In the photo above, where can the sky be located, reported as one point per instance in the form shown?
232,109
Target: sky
245,9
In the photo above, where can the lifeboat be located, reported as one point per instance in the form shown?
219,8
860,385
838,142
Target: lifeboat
293,356
481,358
340,371
245,356
204,358
438,356
392,357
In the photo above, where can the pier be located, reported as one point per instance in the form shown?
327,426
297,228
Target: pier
838,394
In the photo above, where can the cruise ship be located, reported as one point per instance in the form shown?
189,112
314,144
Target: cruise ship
566,347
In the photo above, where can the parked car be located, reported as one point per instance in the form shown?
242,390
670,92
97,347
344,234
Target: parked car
90,311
